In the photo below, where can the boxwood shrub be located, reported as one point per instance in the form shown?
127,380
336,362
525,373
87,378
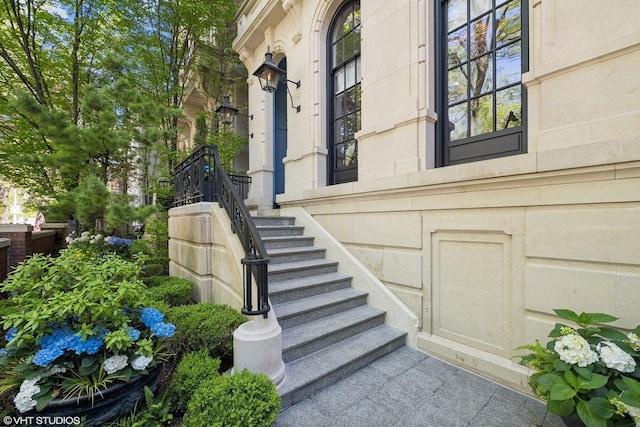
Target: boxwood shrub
193,369
204,326
244,399
172,290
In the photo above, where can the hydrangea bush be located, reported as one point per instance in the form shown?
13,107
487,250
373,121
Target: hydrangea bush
589,372
99,244
74,325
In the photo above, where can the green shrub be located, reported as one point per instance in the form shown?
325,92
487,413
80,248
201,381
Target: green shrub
244,400
152,281
204,326
192,370
173,291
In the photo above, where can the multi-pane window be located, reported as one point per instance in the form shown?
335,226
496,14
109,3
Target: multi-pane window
484,95
345,93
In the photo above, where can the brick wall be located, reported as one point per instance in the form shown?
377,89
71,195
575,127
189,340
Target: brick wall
61,231
43,242
20,237
4,258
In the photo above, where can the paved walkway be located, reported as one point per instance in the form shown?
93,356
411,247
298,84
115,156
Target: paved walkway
409,388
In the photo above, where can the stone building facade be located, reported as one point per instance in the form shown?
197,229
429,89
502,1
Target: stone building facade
480,157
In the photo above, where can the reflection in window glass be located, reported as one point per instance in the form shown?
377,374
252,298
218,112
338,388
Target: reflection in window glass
482,115
457,13
508,23
509,108
458,121
484,66
457,47
479,7
508,69
339,81
482,75
481,31
457,85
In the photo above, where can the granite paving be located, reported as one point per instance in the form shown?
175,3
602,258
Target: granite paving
408,388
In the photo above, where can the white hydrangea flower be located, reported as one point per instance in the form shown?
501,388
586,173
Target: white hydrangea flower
574,349
115,363
634,340
616,358
55,369
141,363
24,399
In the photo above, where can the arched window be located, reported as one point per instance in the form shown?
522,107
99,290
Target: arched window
344,93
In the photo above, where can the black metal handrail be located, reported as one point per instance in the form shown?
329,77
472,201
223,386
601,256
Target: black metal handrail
201,178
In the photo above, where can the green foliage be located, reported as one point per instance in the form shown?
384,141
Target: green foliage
229,145
204,326
155,413
590,372
70,317
92,198
193,369
155,244
173,291
243,400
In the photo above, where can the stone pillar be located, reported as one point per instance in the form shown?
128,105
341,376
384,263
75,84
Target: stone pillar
257,347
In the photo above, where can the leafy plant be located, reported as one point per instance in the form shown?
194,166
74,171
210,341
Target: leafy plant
590,372
156,413
74,325
192,370
204,326
244,399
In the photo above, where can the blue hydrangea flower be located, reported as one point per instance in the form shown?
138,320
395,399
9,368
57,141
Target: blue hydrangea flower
118,241
10,334
133,333
3,352
150,316
162,329
46,356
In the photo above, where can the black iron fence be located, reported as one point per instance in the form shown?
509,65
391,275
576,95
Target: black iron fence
199,178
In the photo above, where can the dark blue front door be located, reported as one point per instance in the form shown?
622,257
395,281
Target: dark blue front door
280,135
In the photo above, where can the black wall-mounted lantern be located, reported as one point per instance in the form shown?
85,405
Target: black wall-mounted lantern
269,75
228,111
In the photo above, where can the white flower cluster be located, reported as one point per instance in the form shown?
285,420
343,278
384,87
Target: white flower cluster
614,357
575,349
634,340
115,363
141,362
85,236
633,412
24,399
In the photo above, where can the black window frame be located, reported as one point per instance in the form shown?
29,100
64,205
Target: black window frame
334,174
499,143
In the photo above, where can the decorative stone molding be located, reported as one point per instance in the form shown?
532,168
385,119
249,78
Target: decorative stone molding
293,9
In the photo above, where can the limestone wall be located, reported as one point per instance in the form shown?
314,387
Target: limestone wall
202,248
481,252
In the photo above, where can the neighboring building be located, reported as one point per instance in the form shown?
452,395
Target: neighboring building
480,157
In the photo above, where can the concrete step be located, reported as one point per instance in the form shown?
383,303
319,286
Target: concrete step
305,310
309,374
280,230
290,290
265,221
296,270
280,242
303,253
302,340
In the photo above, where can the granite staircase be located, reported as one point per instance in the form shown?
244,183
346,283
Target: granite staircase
328,330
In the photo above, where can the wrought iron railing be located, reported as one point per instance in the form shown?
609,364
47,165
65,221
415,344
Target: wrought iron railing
200,178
